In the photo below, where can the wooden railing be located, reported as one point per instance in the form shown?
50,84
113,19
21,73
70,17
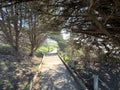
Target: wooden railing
95,78
78,80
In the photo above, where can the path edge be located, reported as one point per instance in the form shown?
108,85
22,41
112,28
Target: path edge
79,81
36,74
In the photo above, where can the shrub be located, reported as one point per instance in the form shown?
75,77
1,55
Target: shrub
42,50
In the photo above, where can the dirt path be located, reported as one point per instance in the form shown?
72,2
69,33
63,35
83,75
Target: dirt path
55,76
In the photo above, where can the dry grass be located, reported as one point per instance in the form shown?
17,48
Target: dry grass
16,75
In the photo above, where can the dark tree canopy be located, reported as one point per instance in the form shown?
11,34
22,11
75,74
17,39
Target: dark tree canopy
94,17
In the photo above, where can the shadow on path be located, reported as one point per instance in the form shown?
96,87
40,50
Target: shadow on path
55,76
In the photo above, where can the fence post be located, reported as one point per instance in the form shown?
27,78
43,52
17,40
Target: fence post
95,82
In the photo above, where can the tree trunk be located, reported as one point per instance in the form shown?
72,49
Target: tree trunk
32,50
16,48
17,32
17,42
31,53
17,53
